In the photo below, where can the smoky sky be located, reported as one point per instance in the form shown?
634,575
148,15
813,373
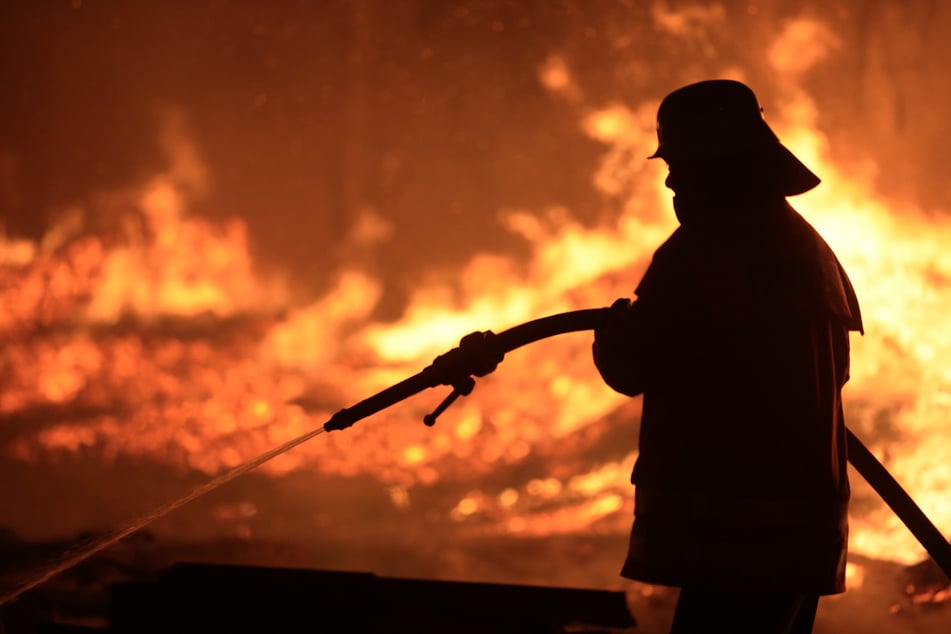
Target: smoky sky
430,114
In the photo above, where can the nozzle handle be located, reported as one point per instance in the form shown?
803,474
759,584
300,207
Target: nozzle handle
463,388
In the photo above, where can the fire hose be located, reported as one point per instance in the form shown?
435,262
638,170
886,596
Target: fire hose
455,371
477,355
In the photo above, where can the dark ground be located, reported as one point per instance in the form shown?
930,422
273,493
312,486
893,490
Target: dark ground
882,604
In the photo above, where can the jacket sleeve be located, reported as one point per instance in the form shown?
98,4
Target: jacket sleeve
618,349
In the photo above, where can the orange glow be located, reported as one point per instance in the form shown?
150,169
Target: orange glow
182,352
899,263
185,267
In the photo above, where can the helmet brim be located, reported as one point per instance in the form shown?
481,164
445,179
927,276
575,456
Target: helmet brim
793,177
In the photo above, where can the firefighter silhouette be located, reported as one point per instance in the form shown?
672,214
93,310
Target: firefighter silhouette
738,340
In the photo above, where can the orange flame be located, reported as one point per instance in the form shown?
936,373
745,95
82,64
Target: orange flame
216,394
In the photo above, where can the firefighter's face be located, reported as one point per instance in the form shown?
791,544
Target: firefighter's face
702,188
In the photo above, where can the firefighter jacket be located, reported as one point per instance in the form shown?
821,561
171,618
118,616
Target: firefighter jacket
739,342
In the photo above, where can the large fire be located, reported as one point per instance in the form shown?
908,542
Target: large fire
162,340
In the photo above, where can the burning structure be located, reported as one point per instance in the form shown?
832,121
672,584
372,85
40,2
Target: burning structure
340,191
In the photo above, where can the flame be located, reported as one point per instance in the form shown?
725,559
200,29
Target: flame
162,340
898,263
169,265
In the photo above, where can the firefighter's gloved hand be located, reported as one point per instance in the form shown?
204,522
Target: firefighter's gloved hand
478,354
617,349
616,322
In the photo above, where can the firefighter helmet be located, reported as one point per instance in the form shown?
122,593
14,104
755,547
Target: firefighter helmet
721,119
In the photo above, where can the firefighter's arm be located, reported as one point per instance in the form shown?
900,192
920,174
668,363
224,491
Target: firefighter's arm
617,350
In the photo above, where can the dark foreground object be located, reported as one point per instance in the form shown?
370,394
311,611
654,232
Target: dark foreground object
229,598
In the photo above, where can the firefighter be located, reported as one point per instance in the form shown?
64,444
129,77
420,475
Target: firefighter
738,340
